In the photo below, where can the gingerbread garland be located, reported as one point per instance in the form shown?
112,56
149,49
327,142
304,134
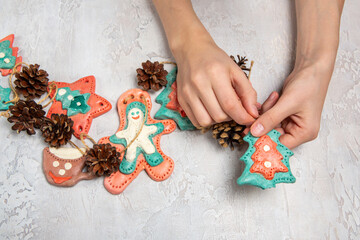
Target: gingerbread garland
136,144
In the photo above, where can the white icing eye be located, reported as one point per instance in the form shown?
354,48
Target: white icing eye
6,60
70,98
61,172
2,55
62,92
266,148
78,103
267,164
68,166
56,163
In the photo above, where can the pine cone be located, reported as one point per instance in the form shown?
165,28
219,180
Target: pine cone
26,115
152,76
241,63
102,159
31,82
228,133
58,130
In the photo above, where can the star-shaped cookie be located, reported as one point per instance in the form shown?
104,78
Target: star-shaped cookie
267,161
8,55
170,107
144,152
80,102
4,97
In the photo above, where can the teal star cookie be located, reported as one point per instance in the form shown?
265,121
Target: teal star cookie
73,101
267,161
170,107
4,97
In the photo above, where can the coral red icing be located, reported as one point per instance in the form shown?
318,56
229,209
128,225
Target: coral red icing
267,159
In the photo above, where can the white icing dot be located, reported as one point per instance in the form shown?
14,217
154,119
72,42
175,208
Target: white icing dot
2,55
70,97
62,92
68,166
56,163
6,60
267,164
61,172
266,148
78,103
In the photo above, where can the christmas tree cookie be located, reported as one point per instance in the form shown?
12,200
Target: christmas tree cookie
138,139
170,107
8,55
4,97
267,161
79,101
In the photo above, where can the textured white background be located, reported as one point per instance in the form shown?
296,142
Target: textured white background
109,39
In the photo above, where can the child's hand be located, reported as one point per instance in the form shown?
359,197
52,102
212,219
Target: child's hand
211,87
296,114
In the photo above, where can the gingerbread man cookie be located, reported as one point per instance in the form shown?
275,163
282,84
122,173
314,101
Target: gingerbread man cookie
170,107
138,138
8,55
80,102
267,161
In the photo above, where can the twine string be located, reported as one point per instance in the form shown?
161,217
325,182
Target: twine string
14,71
51,87
75,146
168,62
251,65
88,137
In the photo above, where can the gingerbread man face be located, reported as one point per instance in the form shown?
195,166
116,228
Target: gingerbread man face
140,134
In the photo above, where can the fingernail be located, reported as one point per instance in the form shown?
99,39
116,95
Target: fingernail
272,95
257,129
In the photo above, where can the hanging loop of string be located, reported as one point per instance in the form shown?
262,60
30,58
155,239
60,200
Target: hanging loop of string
168,62
52,86
14,71
83,140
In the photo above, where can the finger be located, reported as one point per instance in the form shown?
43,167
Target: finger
200,113
213,107
290,141
270,102
231,104
245,91
270,119
188,112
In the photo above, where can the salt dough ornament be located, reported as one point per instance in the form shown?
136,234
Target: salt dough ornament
64,166
267,161
8,55
144,152
79,101
4,97
170,107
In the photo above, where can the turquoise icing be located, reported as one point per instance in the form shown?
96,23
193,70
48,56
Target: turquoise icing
4,97
183,123
7,51
257,179
154,159
73,101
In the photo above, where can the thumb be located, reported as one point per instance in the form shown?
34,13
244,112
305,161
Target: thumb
270,119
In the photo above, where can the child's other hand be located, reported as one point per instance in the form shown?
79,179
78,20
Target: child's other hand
211,87
297,113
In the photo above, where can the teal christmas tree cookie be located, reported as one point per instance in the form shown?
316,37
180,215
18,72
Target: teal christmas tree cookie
170,107
4,97
73,101
267,161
